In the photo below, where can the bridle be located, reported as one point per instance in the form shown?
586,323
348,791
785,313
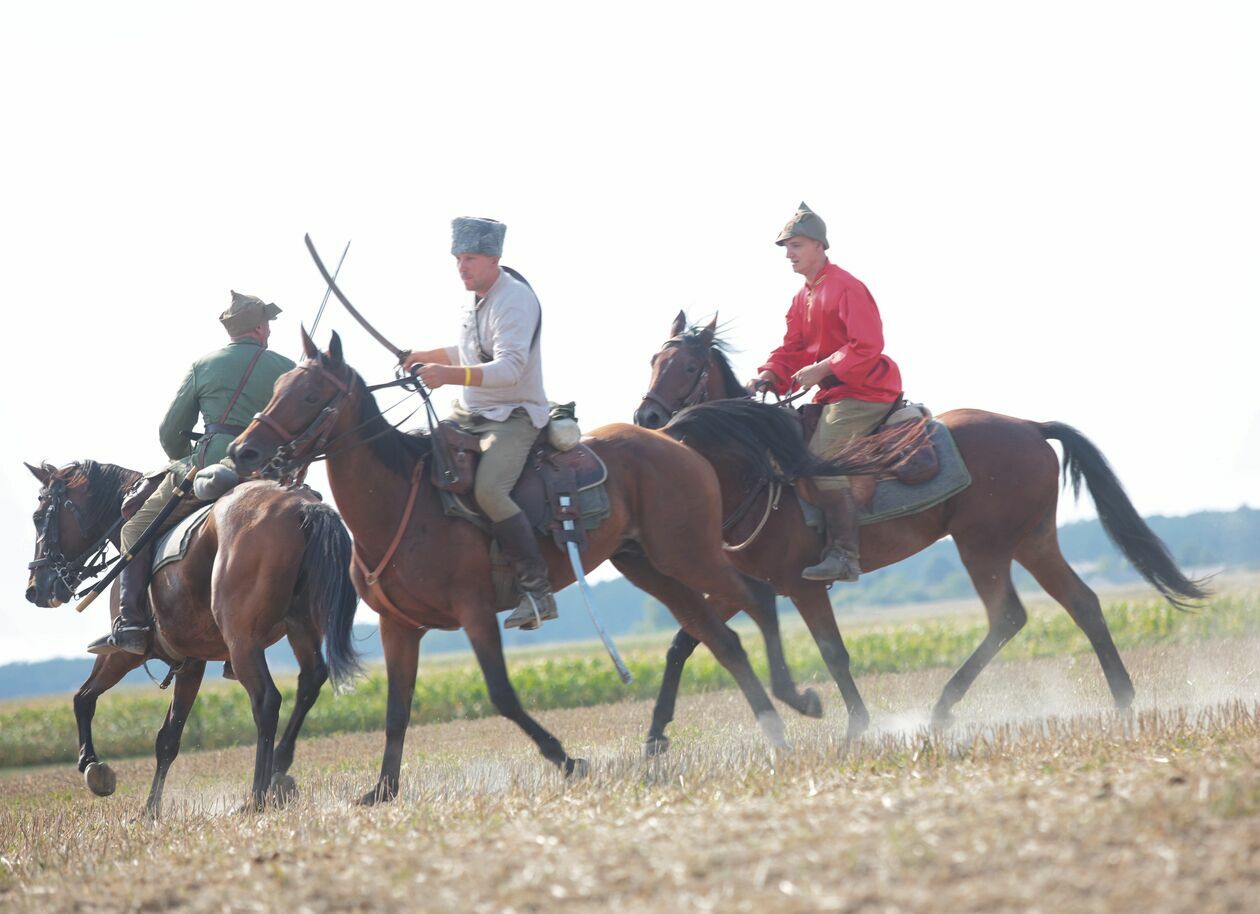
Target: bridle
695,395
90,562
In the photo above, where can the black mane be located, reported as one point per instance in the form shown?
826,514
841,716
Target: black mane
692,337
105,484
397,450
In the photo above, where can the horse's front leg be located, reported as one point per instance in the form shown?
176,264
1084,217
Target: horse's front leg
187,684
106,672
402,654
483,631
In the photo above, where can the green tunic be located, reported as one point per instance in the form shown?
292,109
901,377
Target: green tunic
206,392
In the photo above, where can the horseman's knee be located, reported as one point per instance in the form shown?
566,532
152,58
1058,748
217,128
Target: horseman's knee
495,500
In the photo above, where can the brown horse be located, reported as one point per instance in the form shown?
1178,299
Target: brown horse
662,533
266,562
1007,513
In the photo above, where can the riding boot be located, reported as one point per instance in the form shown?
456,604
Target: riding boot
840,554
520,547
132,628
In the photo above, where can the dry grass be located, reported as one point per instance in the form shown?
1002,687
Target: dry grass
1040,800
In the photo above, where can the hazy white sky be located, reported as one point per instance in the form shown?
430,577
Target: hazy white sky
1054,205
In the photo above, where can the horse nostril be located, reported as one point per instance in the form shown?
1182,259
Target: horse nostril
244,456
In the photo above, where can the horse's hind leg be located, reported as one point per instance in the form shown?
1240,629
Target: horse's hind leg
106,672
990,571
264,698
187,684
312,675
700,622
1043,559
815,609
483,631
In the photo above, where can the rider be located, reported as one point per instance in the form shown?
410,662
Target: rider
834,339
499,364
226,388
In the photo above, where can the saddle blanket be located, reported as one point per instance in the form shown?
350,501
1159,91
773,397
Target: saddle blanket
172,545
896,499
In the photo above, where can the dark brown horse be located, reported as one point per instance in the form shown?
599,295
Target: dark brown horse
266,562
662,534
1007,513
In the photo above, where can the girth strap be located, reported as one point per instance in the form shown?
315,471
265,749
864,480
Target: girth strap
372,579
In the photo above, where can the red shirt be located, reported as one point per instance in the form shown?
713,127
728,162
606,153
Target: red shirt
835,318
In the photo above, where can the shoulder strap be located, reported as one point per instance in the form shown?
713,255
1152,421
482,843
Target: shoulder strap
249,370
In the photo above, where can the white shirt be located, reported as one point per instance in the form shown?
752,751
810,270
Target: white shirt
496,335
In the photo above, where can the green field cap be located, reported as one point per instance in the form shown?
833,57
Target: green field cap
807,224
245,313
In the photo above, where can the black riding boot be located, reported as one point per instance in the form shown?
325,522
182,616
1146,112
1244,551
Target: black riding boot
132,628
520,547
840,555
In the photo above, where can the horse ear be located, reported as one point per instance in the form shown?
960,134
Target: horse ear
709,332
679,325
334,349
40,473
308,345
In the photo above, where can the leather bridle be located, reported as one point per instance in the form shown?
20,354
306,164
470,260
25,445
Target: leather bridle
697,392
299,449
90,562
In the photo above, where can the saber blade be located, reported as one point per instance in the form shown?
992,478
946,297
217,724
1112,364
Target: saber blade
328,290
576,561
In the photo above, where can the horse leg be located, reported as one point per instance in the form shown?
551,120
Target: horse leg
402,655
816,610
187,684
990,572
487,644
106,672
1045,562
765,613
701,623
250,664
312,674
682,647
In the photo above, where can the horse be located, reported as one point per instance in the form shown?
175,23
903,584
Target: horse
1007,514
267,562
433,571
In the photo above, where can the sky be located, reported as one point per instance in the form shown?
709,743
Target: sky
1053,204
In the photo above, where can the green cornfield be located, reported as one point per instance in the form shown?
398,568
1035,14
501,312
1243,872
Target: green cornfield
126,722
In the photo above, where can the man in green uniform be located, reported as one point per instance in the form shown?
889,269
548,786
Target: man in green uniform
226,388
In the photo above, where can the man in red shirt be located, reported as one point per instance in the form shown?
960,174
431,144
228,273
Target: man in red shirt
835,341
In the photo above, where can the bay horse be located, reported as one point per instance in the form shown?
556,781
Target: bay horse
433,571
267,562
1006,514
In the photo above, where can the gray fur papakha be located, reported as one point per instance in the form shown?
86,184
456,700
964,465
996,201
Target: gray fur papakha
245,313
470,235
806,224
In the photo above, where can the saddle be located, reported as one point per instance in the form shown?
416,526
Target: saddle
920,462
554,487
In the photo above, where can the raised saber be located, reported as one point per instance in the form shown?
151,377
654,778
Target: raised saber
399,354
151,531
588,598
328,290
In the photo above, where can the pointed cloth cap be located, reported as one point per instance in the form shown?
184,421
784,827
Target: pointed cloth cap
470,235
246,313
807,224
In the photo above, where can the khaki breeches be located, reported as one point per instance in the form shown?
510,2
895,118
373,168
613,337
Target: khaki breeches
505,447
153,506
840,423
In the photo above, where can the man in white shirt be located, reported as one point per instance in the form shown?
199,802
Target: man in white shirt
499,364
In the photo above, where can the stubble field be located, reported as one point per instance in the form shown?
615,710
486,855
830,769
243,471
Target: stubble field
1040,799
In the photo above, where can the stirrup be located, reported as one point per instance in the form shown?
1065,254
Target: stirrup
529,615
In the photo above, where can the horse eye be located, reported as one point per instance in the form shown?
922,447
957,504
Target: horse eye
691,369
312,398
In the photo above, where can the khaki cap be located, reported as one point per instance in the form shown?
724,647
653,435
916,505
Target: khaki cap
806,224
246,313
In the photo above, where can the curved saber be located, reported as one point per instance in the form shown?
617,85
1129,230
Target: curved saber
328,291
400,354
576,561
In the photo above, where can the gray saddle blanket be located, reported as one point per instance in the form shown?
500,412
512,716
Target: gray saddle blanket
895,499
172,545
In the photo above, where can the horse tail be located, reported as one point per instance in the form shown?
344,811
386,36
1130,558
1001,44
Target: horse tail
1146,551
326,585
767,442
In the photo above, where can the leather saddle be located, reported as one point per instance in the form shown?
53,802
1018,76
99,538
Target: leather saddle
919,462
550,490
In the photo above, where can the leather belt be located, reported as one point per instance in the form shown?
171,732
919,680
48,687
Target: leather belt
216,428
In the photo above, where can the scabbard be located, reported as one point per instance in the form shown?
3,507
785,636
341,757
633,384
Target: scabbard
150,532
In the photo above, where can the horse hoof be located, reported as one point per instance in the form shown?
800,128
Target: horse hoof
942,719
376,795
577,769
100,779
811,704
283,788
857,726
656,746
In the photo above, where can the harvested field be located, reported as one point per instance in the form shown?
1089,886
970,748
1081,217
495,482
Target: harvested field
1040,799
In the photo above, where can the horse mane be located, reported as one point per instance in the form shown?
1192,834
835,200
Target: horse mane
397,450
105,484
718,349
767,442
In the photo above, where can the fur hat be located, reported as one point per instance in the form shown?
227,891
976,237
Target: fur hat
246,313
470,235
807,224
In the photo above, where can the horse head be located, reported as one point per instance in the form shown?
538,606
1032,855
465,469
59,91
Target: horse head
67,526
305,410
684,373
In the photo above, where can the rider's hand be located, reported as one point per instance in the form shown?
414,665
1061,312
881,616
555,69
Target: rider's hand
434,376
812,375
764,381
410,360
